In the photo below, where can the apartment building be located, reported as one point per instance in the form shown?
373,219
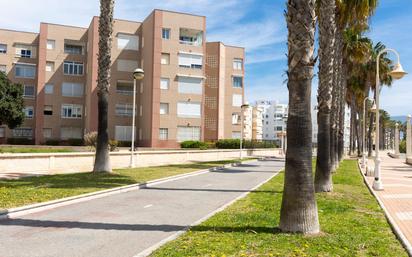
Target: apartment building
253,123
274,117
190,90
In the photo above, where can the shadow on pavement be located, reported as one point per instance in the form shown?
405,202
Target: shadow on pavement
211,190
130,227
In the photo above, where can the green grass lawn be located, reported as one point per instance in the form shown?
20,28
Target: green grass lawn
11,149
352,224
30,190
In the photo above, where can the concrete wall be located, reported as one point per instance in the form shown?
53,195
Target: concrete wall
57,163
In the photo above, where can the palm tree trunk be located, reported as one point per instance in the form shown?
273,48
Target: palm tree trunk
342,85
324,162
102,160
299,212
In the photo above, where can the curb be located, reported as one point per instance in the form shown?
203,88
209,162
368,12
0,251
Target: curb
38,207
395,228
154,247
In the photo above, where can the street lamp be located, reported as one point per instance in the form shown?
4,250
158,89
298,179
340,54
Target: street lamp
364,131
245,105
396,73
138,75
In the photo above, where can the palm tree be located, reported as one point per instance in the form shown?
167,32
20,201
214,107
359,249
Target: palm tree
299,210
102,159
327,29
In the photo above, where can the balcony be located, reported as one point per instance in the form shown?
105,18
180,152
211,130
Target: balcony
191,37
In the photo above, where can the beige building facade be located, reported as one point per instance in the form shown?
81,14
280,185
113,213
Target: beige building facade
192,89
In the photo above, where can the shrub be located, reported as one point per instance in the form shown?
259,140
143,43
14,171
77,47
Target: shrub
124,143
113,145
228,144
193,144
20,141
52,142
402,146
75,141
90,139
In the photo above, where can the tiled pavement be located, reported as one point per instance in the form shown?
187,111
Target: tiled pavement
396,178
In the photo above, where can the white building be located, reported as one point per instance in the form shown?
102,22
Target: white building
274,117
252,123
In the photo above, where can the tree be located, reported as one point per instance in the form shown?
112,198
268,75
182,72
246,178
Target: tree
102,160
11,102
299,210
327,29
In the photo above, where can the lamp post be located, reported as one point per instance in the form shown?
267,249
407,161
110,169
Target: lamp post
245,105
284,119
396,73
138,75
363,133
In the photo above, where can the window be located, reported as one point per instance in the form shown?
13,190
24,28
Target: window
71,132
188,85
51,44
124,87
165,33
50,66
237,100
237,81
237,64
141,87
48,89
73,49
188,109
71,111
141,110
28,91
163,133
190,37
235,118
73,68
48,110
25,71
125,110
279,128
2,131
72,89
3,48
235,135
165,58
28,112
164,83
188,133
25,51
126,65
164,108
47,132
127,42
193,61
22,132
3,68
123,133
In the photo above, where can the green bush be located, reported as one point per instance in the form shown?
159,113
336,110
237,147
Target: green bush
113,145
402,146
193,144
75,141
20,141
228,144
247,144
124,143
52,142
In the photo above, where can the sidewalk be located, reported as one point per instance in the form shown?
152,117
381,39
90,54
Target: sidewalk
396,197
132,223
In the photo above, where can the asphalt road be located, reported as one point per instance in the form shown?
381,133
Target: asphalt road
128,224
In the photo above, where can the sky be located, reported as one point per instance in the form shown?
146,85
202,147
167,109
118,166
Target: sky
257,25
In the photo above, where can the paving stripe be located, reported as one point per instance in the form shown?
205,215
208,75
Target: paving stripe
407,215
397,196
147,206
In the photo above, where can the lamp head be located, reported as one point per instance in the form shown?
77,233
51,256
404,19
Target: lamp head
397,72
245,105
138,74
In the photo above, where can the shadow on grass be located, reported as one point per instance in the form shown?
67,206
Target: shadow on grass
132,227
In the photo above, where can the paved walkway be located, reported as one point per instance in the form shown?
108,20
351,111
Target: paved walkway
396,178
129,223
